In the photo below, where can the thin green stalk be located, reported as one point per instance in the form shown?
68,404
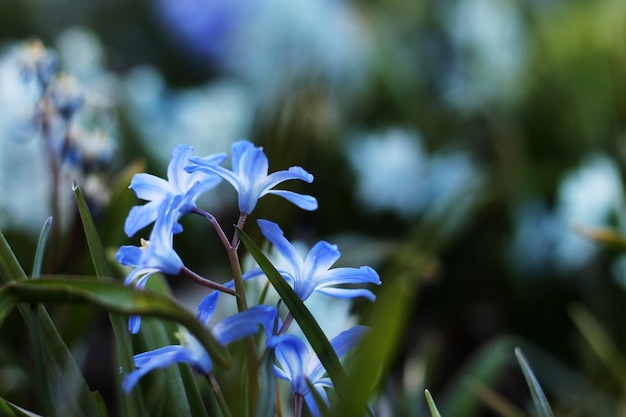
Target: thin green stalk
242,304
44,388
215,387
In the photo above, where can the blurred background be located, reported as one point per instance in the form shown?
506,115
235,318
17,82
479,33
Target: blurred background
459,143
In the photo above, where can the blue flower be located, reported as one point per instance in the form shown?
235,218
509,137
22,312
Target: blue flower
298,365
190,351
155,255
180,182
250,178
313,273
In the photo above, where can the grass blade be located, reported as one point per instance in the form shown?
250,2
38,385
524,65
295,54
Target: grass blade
431,404
132,403
41,245
539,398
57,354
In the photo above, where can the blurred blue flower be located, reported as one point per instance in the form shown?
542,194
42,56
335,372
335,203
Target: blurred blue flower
39,63
298,365
313,273
190,351
250,178
154,255
189,186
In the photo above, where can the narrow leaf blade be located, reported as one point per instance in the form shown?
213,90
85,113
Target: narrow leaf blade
314,334
131,404
114,297
539,398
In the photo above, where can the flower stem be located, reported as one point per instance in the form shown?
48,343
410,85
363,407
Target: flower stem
297,407
215,387
286,324
206,282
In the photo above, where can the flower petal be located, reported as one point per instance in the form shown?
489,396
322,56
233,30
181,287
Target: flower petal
244,324
141,216
293,173
347,292
274,234
149,187
305,202
129,255
206,308
293,357
320,258
176,173
148,361
251,166
362,275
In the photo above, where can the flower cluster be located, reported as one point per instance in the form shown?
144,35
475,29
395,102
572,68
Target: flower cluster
189,177
73,148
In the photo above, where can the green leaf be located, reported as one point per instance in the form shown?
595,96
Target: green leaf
314,334
8,409
431,404
43,383
60,362
267,396
539,399
131,404
374,354
41,245
113,297
10,268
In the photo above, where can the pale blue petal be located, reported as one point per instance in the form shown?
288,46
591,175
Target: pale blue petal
342,344
176,173
134,324
141,216
347,292
305,202
293,357
320,258
252,168
219,170
274,234
129,255
148,187
237,150
159,358
293,173
244,324
346,340
362,275
206,308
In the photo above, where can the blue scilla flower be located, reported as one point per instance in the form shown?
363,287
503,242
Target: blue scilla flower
154,255
313,273
188,185
298,365
249,176
190,351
